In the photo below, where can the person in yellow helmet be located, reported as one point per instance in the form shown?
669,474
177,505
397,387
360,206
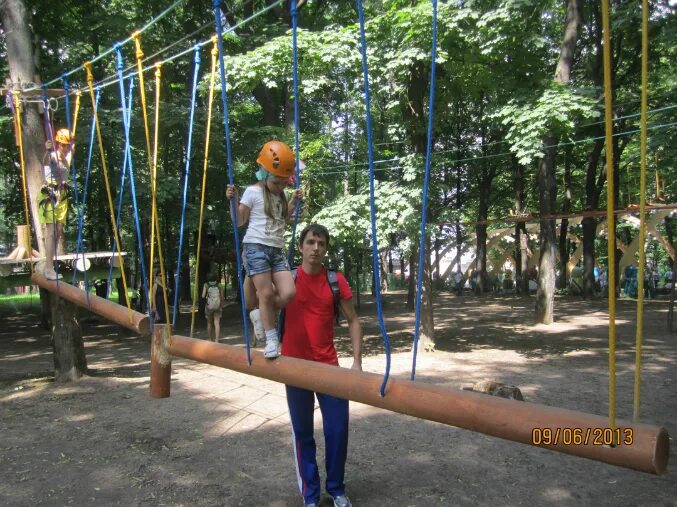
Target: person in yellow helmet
264,206
53,195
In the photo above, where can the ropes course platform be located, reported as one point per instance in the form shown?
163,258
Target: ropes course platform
97,256
641,447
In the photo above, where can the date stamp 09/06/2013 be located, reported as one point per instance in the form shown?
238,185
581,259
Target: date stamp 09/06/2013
582,436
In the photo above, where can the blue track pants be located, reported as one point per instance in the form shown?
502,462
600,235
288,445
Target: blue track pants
335,425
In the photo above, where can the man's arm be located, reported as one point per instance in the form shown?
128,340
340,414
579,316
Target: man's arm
354,330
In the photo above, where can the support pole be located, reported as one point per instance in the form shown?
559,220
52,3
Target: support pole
135,321
508,419
160,363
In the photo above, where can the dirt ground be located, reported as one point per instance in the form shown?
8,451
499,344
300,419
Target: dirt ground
223,438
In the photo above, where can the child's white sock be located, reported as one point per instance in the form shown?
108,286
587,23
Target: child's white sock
272,342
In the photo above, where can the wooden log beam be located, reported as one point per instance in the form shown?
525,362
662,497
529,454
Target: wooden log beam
508,419
93,274
137,322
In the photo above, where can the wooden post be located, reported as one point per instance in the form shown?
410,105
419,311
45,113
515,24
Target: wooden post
160,362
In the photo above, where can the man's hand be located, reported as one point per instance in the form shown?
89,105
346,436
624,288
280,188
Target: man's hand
48,145
231,191
297,195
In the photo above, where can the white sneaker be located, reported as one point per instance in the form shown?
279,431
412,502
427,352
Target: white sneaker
53,275
342,501
270,351
259,333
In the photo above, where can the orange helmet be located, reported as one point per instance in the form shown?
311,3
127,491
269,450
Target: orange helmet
277,158
63,136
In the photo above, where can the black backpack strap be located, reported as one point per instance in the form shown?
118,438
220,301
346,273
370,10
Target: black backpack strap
332,278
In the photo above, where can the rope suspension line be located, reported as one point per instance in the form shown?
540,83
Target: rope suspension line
81,211
424,198
642,214
90,83
78,94
108,51
186,173
374,239
126,121
152,161
74,181
205,164
611,228
295,71
126,109
155,222
229,158
22,163
49,134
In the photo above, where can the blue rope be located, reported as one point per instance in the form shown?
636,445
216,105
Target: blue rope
372,205
177,276
66,88
295,67
231,178
123,175
50,135
79,244
128,154
424,199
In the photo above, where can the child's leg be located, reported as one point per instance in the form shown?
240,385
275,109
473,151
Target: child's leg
250,299
266,294
285,289
209,326
217,326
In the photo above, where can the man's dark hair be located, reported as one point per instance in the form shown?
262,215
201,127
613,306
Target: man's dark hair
317,230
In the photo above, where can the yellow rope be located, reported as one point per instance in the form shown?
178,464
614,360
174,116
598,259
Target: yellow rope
155,223
19,131
78,93
205,163
90,82
642,211
142,88
611,229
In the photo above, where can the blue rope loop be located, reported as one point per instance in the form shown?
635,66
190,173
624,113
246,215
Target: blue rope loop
123,175
231,178
79,244
50,135
372,205
426,181
126,120
295,71
186,173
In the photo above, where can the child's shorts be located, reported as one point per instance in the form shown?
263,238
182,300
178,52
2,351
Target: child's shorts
259,258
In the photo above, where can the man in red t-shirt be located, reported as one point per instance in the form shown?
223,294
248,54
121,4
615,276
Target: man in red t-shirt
309,334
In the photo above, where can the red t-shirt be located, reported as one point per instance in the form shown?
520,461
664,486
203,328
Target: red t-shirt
309,318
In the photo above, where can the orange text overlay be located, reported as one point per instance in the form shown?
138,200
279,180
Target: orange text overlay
582,436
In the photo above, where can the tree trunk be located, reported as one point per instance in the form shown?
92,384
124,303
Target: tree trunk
547,187
69,354
427,337
564,225
22,73
521,243
70,362
411,286
547,183
593,187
